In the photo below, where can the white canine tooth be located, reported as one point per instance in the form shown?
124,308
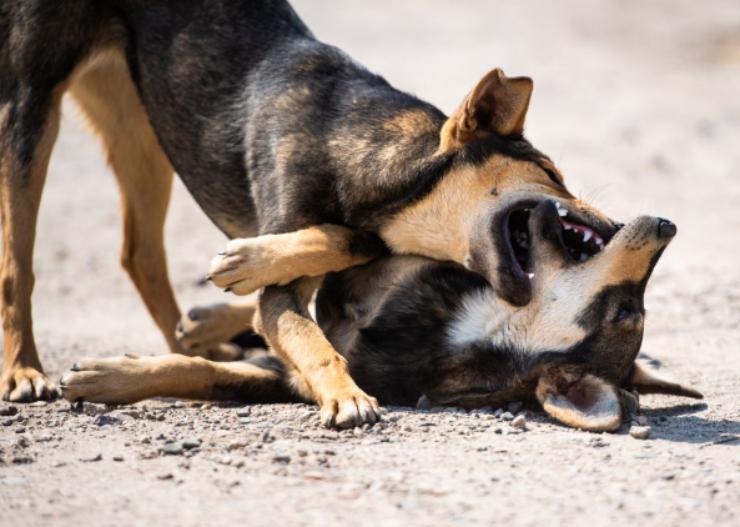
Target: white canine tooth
562,212
531,275
586,235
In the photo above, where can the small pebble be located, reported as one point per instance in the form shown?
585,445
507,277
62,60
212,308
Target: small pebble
118,458
190,443
8,410
281,459
640,432
92,459
519,422
507,416
172,449
243,412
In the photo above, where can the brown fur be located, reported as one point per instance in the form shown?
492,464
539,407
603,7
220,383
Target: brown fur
20,195
252,263
288,327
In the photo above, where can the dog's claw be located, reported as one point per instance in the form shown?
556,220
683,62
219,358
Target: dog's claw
26,384
354,410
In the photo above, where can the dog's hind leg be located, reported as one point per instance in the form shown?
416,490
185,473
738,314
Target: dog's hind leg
123,380
109,99
323,373
28,129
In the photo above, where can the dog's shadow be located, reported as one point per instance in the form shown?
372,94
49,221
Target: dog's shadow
681,424
677,423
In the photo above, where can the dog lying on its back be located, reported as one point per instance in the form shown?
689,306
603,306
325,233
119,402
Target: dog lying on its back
417,331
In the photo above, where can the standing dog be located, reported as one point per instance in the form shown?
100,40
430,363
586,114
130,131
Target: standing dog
414,329
272,132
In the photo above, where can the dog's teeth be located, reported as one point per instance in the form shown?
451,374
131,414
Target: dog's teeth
586,235
530,275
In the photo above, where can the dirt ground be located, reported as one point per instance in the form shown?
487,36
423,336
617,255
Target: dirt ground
638,104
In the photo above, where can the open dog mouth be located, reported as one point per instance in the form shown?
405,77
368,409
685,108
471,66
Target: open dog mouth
581,241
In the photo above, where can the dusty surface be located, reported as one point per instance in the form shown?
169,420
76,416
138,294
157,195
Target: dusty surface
637,102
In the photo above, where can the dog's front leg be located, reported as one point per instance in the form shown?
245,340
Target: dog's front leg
289,329
278,259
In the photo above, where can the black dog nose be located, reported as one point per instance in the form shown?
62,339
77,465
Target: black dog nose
666,229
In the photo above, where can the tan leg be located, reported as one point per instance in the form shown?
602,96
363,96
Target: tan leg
278,259
123,380
109,99
291,332
24,157
211,327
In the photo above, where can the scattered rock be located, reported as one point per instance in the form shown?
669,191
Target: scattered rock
22,460
284,460
8,410
597,442
37,404
92,459
519,422
118,458
191,442
22,442
507,416
640,432
172,449
243,412
106,420
165,476
20,430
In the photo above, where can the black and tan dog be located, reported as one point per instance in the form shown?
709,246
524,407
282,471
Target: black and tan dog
413,329
272,132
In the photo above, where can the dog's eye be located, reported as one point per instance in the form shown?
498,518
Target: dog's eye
624,312
553,177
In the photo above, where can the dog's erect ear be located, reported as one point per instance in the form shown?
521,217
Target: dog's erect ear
497,104
588,403
647,380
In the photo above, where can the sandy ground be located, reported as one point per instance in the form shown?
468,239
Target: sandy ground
636,101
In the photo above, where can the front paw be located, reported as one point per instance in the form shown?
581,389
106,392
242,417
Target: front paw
26,384
242,268
348,408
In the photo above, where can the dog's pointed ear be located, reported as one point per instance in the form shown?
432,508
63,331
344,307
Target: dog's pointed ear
588,402
497,104
647,380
